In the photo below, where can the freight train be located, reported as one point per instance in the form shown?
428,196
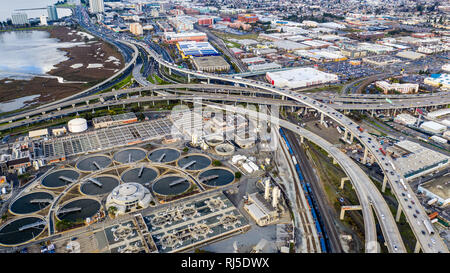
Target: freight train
312,203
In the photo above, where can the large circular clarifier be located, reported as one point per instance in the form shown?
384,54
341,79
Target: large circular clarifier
135,175
164,155
129,155
60,178
99,185
216,177
79,209
94,163
10,234
32,202
171,185
194,162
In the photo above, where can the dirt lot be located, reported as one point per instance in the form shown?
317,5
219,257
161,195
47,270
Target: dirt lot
92,51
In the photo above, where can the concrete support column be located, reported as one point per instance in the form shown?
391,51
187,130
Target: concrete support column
115,96
372,112
209,81
345,134
73,105
140,94
417,248
395,111
59,108
170,71
87,102
385,179
399,213
351,137
321,118
139,104
43,113
189,78
343,179
301,139
372,160
366,152
341,217
167,102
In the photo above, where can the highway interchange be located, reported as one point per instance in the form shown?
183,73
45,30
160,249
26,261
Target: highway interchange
368,194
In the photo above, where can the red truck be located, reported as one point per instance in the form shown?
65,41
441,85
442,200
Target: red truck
382,151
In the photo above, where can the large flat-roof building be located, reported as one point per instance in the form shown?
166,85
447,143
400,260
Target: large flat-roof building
439,80
437,188
211,63
19,18
405,88
196,49
433,127
172,37
300,77
418,160
108,121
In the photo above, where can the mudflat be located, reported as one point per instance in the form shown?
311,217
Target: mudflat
88,63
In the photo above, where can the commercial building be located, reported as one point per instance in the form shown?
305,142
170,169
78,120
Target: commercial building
38,133
253,60
52,13
248,18
96,6
418,160
108,121
19,18
205,21
437,188
136,29
433,127
411,55
289,45
211,64
196,49
183,23
382,60
439,80
172,37
404,88
405,119
264,66
300,77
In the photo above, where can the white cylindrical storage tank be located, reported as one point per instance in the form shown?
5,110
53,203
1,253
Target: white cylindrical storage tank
77,125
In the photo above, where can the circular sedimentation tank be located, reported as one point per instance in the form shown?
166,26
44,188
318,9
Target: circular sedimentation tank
132,175
94,163
10,233
31,203
194,162
54,180
216,177
171,185
164,155
108,183
87,208
214,140
129,155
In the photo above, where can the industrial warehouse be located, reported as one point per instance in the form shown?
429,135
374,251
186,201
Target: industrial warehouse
300,77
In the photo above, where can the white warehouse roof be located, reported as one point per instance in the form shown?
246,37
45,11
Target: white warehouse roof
300,77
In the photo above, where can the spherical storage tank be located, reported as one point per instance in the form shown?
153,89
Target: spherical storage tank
77,125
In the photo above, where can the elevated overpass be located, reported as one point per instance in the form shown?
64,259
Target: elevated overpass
427,242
